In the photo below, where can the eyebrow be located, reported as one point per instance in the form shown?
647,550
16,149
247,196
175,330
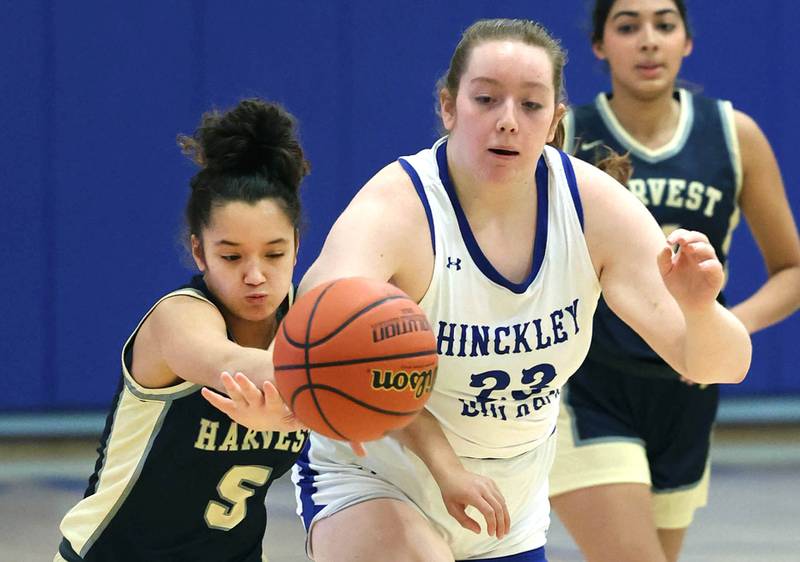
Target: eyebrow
270,243
633,14
528,83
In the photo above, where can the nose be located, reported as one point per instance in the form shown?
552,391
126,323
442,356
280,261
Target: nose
253,274
648,38
507,123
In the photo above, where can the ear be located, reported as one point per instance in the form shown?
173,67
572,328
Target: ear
597,49
687,49
447,109
561,109
197,254
296,245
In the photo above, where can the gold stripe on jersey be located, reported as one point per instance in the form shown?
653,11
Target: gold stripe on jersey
732,141
569,132
137,421
135,427
651,155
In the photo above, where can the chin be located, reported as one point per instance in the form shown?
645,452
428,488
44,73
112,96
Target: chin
255,315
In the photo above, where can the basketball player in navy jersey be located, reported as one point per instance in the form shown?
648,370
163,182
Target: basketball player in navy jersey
513,321
632,462
176,479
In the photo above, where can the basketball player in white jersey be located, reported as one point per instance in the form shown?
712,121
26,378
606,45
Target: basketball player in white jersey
506,244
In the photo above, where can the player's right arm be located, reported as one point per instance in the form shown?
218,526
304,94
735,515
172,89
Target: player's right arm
185,339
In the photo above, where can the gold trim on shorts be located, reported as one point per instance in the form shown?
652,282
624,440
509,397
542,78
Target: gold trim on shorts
621,460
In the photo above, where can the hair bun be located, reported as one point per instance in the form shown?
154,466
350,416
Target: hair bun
255,137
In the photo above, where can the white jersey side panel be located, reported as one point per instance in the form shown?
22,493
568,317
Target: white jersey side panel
505,349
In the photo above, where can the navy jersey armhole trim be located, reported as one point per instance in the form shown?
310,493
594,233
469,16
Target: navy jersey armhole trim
67,552
569,172
412,173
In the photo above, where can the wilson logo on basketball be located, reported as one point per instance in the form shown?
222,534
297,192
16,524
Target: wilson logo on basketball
421,382
399,326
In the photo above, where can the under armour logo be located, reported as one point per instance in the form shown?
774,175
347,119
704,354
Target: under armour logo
454,263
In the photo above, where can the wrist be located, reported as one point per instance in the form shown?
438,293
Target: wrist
443,465
698,312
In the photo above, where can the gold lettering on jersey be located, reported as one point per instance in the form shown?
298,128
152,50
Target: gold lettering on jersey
207,436
714,195
292,441
695,196
420,382
249,441
230,443
246,439
676,193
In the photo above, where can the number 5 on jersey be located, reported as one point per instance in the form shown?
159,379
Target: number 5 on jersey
231,488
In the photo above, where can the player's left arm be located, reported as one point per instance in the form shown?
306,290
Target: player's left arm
765,206
667,298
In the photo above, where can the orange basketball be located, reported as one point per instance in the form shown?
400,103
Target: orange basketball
355,358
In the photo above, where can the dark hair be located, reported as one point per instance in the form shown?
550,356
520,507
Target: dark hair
603,7
247,153
526,31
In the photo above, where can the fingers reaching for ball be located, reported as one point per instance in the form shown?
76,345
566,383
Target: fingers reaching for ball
246,404
358,449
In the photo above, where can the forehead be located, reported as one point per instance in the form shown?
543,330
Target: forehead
249,220
643,7
510,61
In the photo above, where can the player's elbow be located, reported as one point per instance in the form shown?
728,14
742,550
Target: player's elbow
736,370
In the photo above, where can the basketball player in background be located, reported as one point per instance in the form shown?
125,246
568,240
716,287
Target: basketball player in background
513,319
632,461
176,479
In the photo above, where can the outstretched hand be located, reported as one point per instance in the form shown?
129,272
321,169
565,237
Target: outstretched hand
261,409
692,274
462,489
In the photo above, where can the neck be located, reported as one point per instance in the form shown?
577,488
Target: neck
652,120
247,333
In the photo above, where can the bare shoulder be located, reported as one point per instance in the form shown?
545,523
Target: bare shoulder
598,190
746,126
391,191
753,143
176,310
174,323
382,234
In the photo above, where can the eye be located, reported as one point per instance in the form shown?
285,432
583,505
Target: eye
231,257
626,28
276,255
531,105
483,99
666,27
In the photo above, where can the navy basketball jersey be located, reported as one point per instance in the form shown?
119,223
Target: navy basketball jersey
692,182
176,479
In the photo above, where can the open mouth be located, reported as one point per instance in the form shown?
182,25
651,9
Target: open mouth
504,152
649,67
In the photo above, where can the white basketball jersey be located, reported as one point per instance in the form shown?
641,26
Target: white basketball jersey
505,349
